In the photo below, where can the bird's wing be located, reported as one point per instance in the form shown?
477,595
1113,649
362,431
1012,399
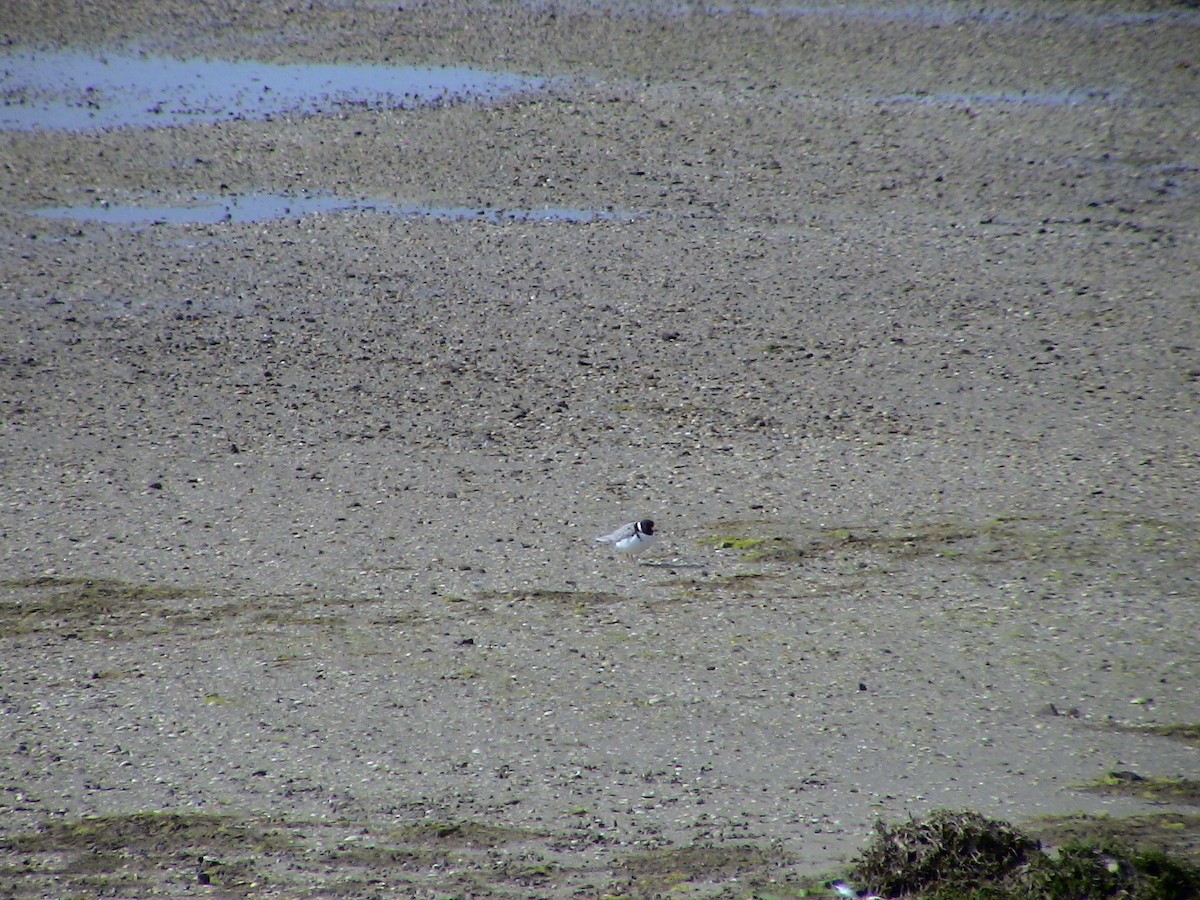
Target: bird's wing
620,534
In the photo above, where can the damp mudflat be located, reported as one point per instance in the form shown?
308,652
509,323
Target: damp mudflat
76,90
953,14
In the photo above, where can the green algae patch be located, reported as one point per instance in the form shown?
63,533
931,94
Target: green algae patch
80,597
1131,784
87,604
990,539
120,855
738,582
654,872
158,831
475,835
1189,733
1177,834
731,542
747,538
779,550
577,600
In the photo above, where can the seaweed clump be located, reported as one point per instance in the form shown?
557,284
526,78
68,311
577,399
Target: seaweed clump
961,855
950,850
1109,871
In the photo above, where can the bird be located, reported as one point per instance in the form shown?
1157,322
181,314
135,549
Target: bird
632,538
845,890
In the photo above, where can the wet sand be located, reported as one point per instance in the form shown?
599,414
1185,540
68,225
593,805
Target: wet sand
894,332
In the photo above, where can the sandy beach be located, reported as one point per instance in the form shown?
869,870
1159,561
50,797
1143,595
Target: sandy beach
888,316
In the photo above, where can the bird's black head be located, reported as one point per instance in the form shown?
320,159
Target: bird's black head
646,526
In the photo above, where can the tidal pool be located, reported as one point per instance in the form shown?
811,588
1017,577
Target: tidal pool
73,90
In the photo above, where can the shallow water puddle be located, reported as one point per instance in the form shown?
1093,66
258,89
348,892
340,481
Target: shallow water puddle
262,207
203,211
566,215
1011,98
76,91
